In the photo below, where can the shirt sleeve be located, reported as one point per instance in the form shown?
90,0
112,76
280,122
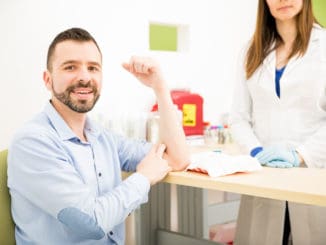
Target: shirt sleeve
40,170
322,100
241,110
313,149
131,152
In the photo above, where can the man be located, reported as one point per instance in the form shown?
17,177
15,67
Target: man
64,171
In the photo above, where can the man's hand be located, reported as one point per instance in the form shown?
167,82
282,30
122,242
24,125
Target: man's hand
171,132
153,166
146,70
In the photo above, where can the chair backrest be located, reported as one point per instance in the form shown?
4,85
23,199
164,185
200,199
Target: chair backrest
7,226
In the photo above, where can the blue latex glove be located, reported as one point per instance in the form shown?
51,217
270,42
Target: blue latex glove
255,151
279,164
280,154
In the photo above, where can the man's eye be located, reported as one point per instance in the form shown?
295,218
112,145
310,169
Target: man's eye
69,68
93,68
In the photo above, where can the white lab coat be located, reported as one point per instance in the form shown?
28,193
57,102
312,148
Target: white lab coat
260,118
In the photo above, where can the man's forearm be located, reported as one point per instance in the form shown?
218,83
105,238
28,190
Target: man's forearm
171,131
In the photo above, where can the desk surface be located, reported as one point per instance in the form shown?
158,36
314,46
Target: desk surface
302,185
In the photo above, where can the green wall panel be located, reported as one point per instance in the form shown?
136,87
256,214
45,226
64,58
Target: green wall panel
319,7
163,37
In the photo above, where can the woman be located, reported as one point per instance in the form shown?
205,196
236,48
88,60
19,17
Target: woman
277,118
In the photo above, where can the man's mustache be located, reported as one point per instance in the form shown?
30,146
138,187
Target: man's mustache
82,85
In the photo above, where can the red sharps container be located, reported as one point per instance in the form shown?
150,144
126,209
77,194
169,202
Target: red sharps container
191,105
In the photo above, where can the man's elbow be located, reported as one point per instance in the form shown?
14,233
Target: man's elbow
81,223
180,163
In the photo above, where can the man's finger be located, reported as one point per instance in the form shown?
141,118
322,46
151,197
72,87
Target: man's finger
126,66
160,150
154,149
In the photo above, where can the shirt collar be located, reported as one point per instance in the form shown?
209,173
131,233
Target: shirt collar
63,130
316,32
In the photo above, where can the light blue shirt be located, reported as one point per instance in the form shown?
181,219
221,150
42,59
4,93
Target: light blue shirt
65,191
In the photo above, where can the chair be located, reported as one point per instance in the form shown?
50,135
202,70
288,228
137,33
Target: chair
7,226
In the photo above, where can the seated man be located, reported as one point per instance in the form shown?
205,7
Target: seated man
64,171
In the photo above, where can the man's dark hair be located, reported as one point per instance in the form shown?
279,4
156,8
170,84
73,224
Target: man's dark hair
75,34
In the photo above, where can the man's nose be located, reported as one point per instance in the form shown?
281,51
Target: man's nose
84,74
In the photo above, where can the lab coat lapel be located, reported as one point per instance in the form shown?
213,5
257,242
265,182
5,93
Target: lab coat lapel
296,60
269,62
293,62
267,73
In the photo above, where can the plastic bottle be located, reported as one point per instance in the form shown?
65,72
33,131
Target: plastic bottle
221,137
152,127
227,135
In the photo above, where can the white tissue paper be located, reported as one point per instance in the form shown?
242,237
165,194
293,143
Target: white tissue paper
218,164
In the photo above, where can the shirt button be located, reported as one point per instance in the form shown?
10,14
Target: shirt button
111,233
99,174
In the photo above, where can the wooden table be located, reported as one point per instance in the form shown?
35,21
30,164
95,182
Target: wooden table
302,185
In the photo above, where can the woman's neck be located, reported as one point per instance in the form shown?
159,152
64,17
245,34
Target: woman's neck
287,30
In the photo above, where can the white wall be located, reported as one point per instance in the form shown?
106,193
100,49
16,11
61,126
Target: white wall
217,30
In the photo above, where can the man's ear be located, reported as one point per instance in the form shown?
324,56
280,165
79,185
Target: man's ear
47,78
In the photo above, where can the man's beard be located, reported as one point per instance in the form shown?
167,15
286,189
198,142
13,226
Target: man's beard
80,106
